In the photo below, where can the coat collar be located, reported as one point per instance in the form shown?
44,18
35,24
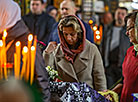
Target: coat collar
78,66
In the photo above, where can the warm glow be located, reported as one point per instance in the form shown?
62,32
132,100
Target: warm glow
97,32
97,36
94,28
4,33
30,37
90,21
1,43
18,43
32,48
25,49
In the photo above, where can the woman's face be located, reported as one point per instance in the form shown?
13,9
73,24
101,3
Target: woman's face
131,31
70,35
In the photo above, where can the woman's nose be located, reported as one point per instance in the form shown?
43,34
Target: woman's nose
69,37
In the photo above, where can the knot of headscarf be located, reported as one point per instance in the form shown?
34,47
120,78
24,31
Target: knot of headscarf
136,34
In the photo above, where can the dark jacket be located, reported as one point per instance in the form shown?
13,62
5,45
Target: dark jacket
40,25
54,33
117,55
19,32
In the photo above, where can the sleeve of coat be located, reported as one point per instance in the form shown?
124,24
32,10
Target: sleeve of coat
49,59
98,72
42,75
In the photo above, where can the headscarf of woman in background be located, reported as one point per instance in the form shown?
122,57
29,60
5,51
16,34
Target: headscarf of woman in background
8,16
10,19
136,34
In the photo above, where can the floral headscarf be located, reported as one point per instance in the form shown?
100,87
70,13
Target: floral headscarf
136,33
71,53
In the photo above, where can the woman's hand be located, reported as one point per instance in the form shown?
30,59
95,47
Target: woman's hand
51,47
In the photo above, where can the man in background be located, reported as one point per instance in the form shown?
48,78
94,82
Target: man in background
67,7
106,22
116,45
39,22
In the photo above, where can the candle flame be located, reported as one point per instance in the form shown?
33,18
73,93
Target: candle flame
32,48
90,21
4,33
1,43
98,37
30,37
18,43
97,32
94,28
25,49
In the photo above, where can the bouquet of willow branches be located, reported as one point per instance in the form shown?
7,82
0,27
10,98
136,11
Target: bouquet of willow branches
53,74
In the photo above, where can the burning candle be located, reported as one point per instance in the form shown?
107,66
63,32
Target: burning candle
32,63
35,41
15,65
4,53
1,57
101,30
30,38
18,53
24,53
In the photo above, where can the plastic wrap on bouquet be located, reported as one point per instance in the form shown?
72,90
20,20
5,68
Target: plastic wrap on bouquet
74,92
135,97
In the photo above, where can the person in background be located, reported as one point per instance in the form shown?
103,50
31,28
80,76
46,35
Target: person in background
75,58
52,11
116,45
129,83
10,19
39,22
67,7
106,22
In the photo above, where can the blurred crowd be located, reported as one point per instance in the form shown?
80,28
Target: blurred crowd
67,44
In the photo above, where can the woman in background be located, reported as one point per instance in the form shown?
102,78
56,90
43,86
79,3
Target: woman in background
129,84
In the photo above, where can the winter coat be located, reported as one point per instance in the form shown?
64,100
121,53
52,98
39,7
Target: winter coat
88,66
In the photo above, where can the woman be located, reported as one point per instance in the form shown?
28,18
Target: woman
10,19
130,64
52,11
75,58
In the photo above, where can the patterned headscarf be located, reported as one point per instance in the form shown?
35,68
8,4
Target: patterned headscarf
136,33
71,53
10,13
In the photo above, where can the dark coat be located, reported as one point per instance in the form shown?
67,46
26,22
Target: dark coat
19,32
113,59
40,25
